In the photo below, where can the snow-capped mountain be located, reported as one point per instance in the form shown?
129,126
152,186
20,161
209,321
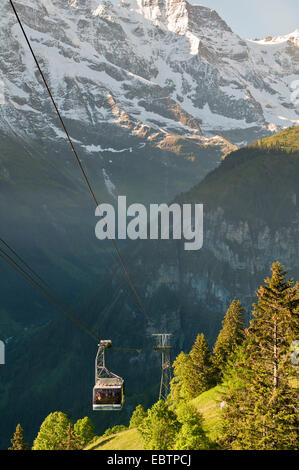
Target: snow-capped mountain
149,66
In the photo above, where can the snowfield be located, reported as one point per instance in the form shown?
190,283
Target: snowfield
166,65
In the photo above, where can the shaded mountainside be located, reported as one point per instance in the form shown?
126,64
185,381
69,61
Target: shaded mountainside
250,220
48,215
264,182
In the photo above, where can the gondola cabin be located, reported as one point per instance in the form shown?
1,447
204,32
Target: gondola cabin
108,394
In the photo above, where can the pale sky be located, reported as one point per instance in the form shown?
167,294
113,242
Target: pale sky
256,18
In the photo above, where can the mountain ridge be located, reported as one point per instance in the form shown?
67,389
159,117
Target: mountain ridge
221,83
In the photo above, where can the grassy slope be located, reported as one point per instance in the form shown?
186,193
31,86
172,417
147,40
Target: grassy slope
126,440
287,140
208,403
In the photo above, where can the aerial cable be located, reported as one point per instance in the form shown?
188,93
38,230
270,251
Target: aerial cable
52,291
121,260
17,267
51,294
9,260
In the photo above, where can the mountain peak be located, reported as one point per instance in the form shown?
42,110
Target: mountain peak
270,40
168,64
178,16
152,4
156,10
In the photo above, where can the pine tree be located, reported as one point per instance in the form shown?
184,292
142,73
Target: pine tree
84,431
159,428
71,442
137,417
262,410
203,372
230,337
18,440
194,373
53,432
191,435
181,384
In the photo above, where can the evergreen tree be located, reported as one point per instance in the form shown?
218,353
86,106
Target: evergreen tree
71,442
18,440
159,428
181,384
262,410
230,337
191,436
53,432
118,428
194,373
137,417
203,371
84,432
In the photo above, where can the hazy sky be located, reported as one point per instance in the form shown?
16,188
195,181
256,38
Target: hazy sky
256,18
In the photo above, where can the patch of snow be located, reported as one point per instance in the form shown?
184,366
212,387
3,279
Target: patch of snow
109,185
294,37
98,148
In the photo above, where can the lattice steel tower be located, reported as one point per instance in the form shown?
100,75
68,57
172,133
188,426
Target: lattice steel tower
163,345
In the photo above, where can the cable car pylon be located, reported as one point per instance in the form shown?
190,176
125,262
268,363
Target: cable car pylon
163,345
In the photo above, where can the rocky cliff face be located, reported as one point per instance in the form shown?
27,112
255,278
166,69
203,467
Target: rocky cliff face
234,261
250,220
150,65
